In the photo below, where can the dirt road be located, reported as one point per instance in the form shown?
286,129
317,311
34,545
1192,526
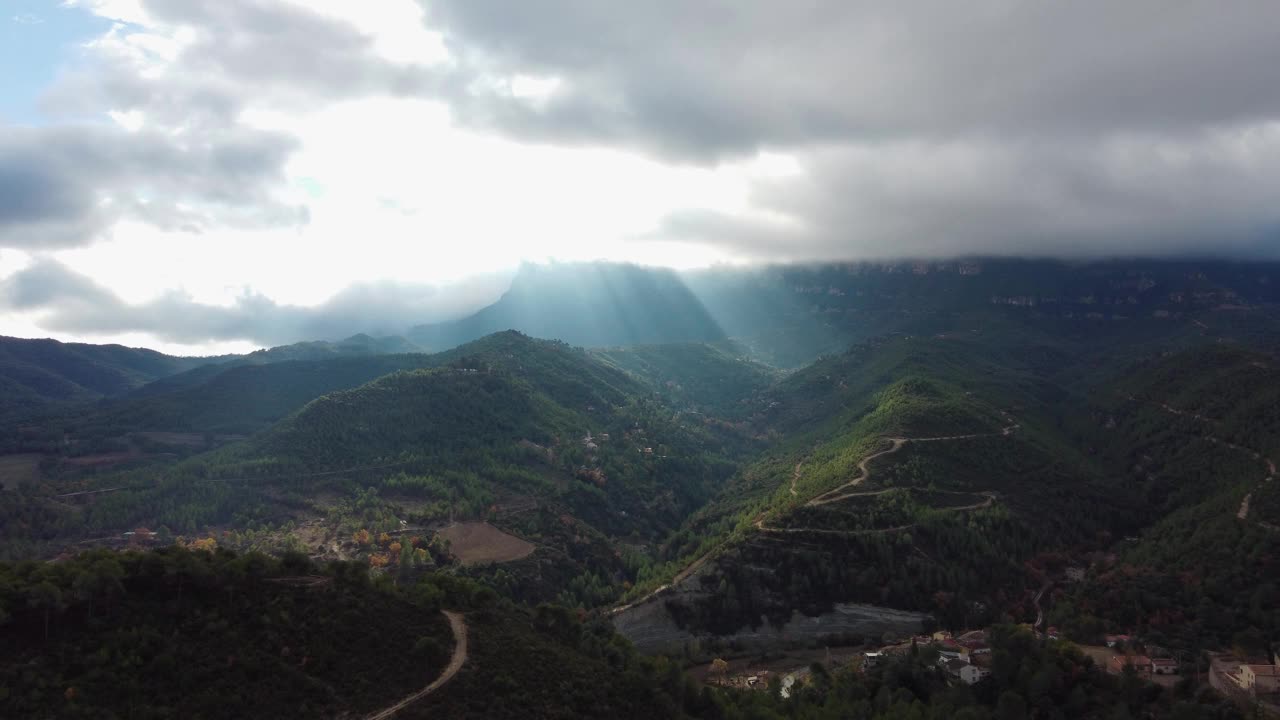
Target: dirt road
459,627
679,578
864,472
1243,512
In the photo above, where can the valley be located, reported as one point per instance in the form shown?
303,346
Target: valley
662,504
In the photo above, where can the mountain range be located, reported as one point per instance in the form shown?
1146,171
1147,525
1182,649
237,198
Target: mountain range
731,462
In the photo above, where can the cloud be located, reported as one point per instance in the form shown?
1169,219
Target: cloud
70,302
27,19
928,128
703,79
1199,193
64,186
181,76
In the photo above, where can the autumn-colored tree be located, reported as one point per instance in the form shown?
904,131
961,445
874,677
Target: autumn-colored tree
361,537
719,668
378,560
384,539
422,558
394,549
208,544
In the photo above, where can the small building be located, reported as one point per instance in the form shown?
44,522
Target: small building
971,674
1259,679
871,659
1116,640
1140,663
954,667
1164,666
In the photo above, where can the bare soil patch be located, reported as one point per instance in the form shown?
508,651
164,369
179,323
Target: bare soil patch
479,542
17,469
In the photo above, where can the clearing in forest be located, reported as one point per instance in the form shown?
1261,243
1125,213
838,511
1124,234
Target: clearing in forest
480,542
17,469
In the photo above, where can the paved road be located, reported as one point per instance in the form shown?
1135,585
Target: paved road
459,627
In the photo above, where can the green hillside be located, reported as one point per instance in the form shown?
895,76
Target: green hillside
180,634
39,375
697,377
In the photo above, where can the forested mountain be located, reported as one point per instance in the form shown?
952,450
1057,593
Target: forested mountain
588,304
356,345
37,374
945,442
1197,434
716,378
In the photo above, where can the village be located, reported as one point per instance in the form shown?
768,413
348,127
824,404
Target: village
966,658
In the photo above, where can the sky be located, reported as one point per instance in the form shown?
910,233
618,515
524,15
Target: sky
206,177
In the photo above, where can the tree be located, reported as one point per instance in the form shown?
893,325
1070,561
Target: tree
45,596
719,668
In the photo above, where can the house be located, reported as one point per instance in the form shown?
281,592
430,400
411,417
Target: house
1164,666
1140,663
1052,632
948,654
954,667
871,659
970,674
1116,640
1259,679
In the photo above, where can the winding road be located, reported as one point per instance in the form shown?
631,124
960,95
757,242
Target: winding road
1243,512
459,626
823,499
834,495
679,578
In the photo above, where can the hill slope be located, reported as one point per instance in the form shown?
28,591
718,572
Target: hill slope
590,304
36,375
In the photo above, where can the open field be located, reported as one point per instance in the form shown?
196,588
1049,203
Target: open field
187,439
480,542
16,469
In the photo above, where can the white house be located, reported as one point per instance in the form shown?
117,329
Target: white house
1259,679
1164,666
971,674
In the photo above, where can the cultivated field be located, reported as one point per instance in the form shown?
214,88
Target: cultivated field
16,469
480,542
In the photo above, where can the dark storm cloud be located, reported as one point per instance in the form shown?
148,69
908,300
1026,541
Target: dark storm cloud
709,77
1207,193
70,302
921,128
